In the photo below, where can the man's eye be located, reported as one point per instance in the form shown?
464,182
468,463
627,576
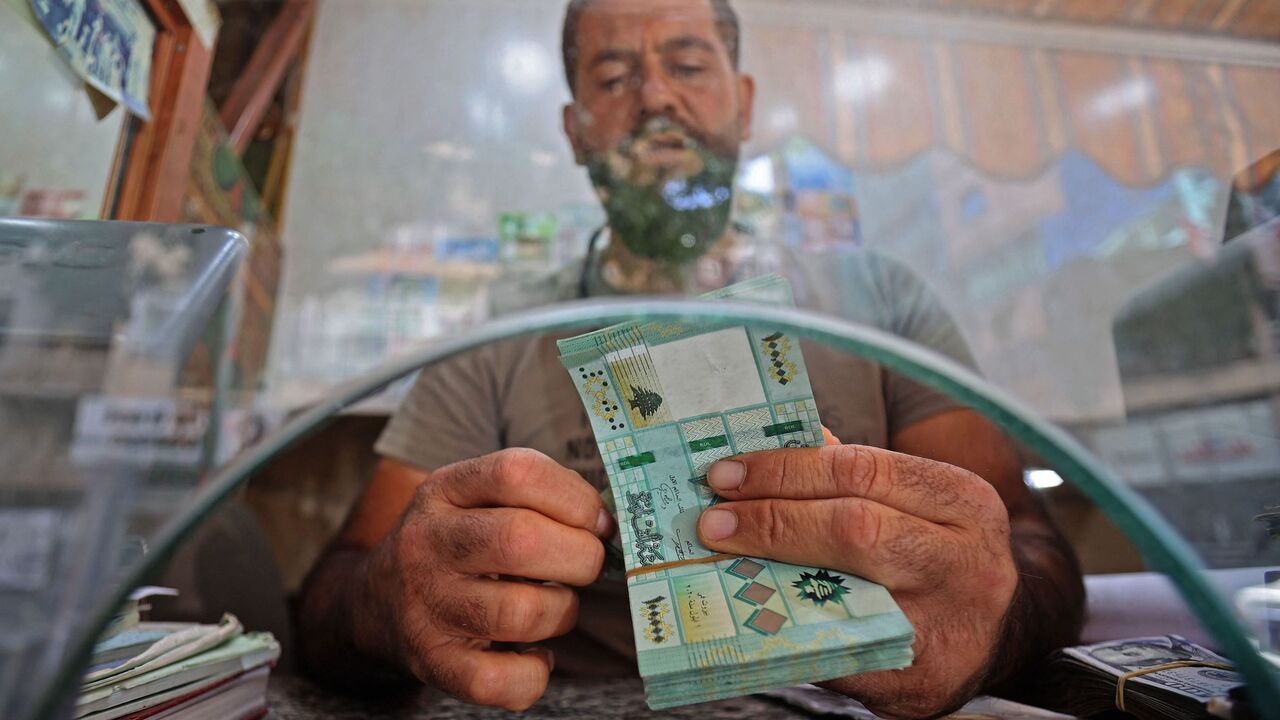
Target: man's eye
688,70
613,84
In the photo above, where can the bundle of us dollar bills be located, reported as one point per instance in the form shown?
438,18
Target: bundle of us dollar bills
666,401
1166,677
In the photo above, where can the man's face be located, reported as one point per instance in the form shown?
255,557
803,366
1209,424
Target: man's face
658,118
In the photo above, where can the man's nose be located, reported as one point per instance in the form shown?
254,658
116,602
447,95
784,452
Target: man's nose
656,97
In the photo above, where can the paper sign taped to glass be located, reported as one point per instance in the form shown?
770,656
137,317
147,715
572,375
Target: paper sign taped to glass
666,401
108,43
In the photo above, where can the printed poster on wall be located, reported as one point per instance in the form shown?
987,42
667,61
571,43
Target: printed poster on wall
106,42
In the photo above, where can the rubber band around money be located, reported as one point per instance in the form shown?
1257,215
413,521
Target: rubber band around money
646,569
1158,668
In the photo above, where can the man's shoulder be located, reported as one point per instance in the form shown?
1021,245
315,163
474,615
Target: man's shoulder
858,283
863,263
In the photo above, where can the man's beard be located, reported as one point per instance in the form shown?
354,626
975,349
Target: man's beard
665,213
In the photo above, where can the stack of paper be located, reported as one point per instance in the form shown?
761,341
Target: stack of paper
666,401
178,670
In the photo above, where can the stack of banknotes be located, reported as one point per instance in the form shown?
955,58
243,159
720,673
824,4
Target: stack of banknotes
1165,677
666,401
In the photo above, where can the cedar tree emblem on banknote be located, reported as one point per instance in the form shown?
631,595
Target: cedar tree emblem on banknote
646,402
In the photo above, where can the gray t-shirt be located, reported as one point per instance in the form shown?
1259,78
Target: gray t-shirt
516,393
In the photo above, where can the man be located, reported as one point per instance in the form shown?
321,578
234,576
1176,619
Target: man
431,576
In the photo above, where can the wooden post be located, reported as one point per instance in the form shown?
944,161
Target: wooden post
158,162
250,97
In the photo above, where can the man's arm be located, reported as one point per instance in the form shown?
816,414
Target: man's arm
336,645
1048,606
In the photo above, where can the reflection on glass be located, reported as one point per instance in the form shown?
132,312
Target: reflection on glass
1058,178
1035,177
104,415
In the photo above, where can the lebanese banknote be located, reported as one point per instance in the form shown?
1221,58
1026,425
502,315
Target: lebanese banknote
666,401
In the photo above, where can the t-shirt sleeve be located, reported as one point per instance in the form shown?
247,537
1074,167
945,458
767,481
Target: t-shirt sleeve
917,314
450,414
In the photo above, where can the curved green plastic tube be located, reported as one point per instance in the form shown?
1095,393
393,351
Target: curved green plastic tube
1161,546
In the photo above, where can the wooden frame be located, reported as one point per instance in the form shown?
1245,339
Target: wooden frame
245,106
158,162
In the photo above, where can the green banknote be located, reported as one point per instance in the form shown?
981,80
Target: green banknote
666,400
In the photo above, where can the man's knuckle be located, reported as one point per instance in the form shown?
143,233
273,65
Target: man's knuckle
854,471
515,464
998,520
786,467
775,525
424,496
450,483
467,615
925,477
988,498
592,505
465,536
912,549
582,507
516,543
594,560
517,612
857,525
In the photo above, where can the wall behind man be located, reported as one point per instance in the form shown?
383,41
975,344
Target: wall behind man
1032,180
57,153
1036,173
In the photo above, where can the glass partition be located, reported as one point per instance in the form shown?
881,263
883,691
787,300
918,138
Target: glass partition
107,334
63,169
1063,215
1243,632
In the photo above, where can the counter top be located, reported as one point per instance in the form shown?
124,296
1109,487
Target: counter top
292,698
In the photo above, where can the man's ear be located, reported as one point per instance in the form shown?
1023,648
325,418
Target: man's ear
573,130
746,104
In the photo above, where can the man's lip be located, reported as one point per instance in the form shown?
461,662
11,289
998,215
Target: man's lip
667,141
665,157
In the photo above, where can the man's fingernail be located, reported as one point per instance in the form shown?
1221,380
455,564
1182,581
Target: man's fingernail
718,524
549,655
727,475
602,523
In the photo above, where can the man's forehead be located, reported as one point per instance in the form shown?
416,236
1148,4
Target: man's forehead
619,21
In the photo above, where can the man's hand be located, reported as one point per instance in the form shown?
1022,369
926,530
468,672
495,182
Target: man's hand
935,535
437,583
